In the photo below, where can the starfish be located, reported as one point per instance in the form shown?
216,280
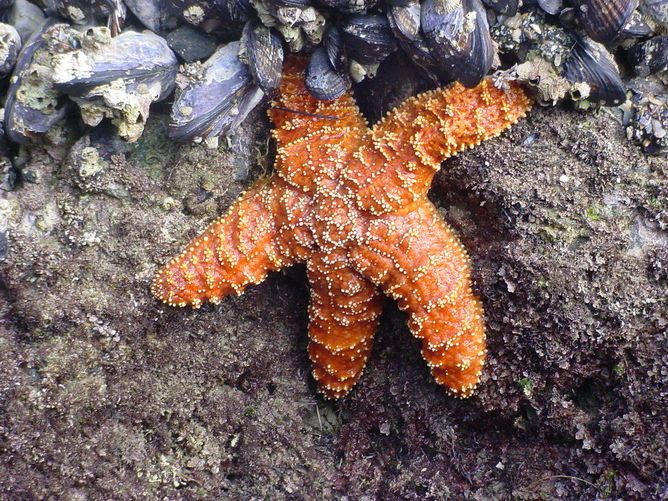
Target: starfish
351,202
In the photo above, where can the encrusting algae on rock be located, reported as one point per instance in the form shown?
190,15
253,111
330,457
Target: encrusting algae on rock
351,202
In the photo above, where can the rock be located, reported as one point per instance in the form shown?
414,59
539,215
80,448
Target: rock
108,393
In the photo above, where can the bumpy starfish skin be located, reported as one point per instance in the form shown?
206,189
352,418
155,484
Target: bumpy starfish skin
352,203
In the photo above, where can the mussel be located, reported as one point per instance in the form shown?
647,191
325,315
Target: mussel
656,9
552,7
117,77
457,33
191,44
336,51
298,21
26,18
10,45
151,13
91,12
349,6
212,14
218,95
405,23
322,79
33,106
604,19
594,74
235,11
194,12
555,45
262,50
368,38
505,7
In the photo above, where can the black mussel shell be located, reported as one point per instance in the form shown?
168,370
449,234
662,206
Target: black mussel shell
482,47
636,27
322,80
443,24
275,4
151,13
368,38
349,6
335,48
649,57
262,50
590,63
458,36
341,5
131,56
603,20
90,12
505,7
10,46
657,9
117,77
552,7
405,21
5,4
22,121
234,11
26,18
218,101
399,3
191,44
194,12
48,6
225,18
420,54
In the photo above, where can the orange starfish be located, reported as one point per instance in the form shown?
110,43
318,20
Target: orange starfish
352,203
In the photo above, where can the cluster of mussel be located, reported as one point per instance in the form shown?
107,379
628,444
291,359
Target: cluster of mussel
114,58
597,52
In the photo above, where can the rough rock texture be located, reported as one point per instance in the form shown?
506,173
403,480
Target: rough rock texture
107,394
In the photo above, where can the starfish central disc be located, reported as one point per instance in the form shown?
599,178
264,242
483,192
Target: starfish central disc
351,202
336,221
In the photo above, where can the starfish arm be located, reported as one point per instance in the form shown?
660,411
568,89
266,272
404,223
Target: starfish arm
234,251
343,316
418,260
315,138
399,157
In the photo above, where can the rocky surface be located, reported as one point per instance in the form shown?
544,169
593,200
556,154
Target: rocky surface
107,394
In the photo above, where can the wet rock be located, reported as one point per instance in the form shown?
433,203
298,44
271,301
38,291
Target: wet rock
564,221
